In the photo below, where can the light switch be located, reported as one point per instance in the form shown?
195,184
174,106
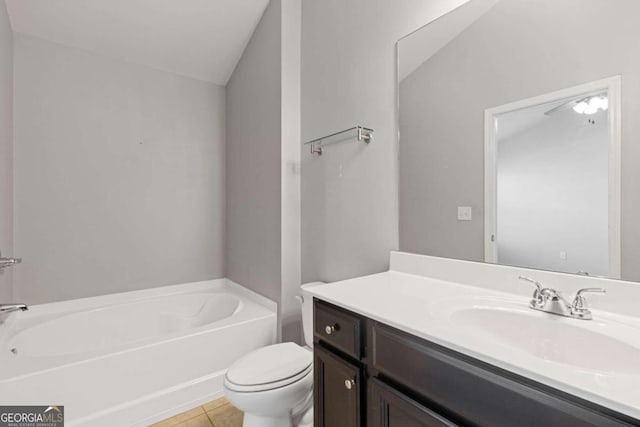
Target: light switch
563,255
465,213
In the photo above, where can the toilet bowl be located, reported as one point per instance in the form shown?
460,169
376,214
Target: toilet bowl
273,385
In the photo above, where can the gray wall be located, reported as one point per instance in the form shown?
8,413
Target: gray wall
119,175
350,193
263,155
504,57
6,149
254,161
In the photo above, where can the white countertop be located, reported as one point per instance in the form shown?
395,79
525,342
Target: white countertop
418,305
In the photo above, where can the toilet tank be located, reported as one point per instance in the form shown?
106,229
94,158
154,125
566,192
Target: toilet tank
307,312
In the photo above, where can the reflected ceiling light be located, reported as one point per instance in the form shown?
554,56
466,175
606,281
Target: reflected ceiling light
591,109
580,107
592,105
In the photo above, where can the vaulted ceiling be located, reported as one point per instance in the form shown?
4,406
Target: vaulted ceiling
202,39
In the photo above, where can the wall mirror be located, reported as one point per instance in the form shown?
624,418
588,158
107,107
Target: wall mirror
518,138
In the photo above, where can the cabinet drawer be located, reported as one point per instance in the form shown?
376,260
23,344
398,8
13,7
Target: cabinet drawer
389,408
338,328
478,394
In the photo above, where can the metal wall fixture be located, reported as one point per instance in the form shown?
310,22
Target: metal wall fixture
8,262
360,133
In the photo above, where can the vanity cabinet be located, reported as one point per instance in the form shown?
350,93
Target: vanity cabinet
338,369
370,374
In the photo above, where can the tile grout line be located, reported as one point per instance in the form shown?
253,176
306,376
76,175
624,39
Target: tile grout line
209,417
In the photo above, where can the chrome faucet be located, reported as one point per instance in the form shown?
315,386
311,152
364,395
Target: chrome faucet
5,309
551,301
8,308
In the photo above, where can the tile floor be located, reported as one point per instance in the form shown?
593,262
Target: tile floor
218,413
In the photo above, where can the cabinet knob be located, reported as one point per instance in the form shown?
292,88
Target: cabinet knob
349,384
329,329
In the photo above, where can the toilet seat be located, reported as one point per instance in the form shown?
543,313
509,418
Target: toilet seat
269,386
270,367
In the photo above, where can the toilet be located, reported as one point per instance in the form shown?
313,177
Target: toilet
273,385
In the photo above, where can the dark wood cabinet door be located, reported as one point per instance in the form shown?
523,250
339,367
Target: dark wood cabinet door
389,408
337,391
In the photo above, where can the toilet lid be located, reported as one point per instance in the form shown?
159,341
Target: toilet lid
271,364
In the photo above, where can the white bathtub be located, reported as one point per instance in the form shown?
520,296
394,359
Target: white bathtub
133,358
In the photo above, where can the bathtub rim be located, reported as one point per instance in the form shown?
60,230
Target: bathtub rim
67,306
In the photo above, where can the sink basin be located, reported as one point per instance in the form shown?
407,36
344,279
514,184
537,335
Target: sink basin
589,345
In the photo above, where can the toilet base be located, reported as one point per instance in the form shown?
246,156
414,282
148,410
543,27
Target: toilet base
306,420
251,420
303,419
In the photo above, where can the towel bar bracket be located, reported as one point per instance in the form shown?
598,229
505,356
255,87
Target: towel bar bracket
361,134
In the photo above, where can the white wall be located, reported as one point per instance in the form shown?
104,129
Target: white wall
291,316
350,193
6,150
553,194
119,175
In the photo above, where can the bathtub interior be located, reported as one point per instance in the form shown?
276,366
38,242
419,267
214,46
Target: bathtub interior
109,327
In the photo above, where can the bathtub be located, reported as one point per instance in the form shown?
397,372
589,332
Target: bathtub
132,358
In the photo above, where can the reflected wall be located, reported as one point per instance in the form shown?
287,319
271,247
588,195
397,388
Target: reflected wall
513,50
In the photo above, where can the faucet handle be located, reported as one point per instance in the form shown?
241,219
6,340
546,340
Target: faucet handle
530,280
538,298
579,306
